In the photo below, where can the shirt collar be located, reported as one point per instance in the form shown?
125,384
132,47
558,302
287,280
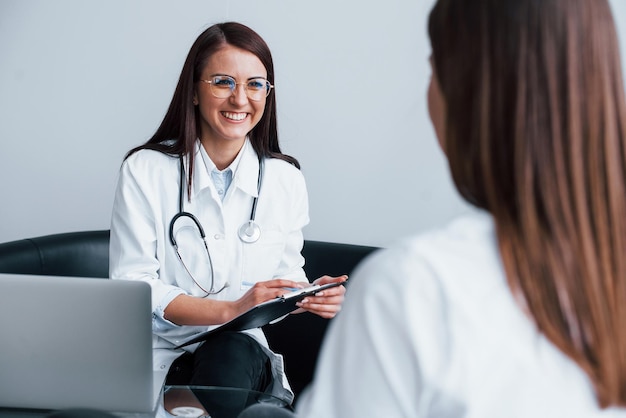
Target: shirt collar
210,165
245,168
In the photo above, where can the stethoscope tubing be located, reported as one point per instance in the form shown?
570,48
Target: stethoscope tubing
249,231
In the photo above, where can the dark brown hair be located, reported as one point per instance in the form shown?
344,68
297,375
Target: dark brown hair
178,132
535,131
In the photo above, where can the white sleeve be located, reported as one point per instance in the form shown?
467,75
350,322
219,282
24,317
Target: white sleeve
133,245
292,262
372,362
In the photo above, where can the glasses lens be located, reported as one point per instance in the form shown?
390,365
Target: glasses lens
222,86
257,88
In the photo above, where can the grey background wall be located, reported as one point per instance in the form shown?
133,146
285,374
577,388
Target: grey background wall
81,82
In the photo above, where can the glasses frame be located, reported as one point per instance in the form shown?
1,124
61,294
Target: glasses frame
211,82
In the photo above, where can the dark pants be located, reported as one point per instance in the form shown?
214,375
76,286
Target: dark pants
229,359
266,411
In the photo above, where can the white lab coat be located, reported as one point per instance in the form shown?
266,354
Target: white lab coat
147,198
429,328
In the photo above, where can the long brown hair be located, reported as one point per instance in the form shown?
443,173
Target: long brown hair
178,132
535,134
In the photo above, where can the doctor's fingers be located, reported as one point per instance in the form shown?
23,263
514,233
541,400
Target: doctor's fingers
331,292
329,302
325,310
329,279
326,299
259,294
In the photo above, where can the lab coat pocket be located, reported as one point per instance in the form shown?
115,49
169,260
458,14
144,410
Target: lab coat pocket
262,258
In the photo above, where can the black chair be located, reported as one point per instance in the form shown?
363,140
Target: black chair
77,254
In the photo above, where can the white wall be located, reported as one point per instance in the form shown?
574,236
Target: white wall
82,82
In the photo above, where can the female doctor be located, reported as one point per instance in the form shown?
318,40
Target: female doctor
214,169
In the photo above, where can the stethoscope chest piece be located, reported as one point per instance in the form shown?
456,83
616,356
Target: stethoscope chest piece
249,232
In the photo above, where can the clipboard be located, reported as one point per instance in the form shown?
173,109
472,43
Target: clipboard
263,313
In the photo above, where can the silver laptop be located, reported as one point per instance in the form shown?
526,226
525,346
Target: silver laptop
68,342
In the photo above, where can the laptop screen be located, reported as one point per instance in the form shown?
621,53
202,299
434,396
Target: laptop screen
72,342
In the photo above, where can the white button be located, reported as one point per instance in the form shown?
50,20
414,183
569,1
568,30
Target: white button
220,192
217,236
163,366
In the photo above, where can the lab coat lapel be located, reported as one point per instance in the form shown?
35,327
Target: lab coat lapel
247,173
201,179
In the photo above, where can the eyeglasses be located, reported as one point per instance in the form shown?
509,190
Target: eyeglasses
223,86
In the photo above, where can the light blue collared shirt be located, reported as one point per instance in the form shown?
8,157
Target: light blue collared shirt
222,180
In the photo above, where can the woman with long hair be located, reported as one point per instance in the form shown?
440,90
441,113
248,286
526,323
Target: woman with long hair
518,309
210,212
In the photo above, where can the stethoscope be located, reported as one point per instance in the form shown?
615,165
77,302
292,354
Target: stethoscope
249,231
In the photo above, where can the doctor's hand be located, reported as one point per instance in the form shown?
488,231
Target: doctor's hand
327,302
263,291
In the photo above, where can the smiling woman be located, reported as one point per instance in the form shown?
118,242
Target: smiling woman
210,212
228,113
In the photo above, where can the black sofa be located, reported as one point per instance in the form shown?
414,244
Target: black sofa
86,254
